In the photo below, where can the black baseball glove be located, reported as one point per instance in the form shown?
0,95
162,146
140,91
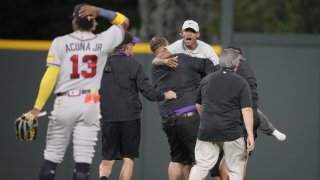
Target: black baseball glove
26,127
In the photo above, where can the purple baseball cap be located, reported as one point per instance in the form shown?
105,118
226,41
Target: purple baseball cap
128,38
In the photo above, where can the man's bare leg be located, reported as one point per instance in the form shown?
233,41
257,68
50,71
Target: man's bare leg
175,171
127,169
223,170
105,168
245,169
186,170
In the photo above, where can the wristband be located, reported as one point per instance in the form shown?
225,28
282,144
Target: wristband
107,14
119,19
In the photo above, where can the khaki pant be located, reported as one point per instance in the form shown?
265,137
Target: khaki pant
207,154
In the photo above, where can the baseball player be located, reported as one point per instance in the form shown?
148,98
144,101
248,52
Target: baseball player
75,64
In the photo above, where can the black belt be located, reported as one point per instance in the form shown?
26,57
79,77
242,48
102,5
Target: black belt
176,117
74,92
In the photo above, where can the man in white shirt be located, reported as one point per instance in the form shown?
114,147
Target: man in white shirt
189,44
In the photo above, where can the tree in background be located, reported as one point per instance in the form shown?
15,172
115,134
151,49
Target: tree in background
165,17
36,19
273,16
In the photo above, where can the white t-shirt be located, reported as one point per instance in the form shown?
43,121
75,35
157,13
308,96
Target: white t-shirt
203,50
81,57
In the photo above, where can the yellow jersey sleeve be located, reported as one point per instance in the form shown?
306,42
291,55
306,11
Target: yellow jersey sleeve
46,86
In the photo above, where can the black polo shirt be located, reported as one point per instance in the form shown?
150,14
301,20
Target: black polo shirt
184,80
120,89
222,94
244,69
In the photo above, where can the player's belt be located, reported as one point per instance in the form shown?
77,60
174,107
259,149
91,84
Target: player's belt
177,117
76,92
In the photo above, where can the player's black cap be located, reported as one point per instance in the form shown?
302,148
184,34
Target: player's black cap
76,10
128,38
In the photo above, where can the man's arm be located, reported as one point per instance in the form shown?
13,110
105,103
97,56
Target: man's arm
163,59
247,114
198,98
115,17
148,91
46,87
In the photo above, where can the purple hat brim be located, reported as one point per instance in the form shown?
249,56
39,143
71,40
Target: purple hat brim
135,40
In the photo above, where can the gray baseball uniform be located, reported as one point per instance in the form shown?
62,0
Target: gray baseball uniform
81,57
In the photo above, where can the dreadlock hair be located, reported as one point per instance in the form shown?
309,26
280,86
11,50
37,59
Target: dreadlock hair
85,24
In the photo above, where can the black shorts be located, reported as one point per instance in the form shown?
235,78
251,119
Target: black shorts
120,140
182,137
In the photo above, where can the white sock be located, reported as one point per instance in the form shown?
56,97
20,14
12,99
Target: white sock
280,136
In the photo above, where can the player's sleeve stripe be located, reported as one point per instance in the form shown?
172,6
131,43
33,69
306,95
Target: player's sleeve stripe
52,64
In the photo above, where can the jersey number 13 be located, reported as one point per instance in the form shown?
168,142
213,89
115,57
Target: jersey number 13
90,60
